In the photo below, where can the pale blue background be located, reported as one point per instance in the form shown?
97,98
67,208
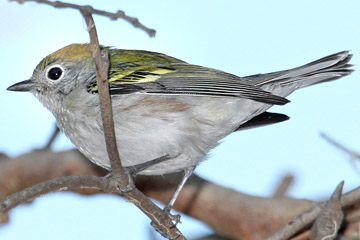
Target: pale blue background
241,37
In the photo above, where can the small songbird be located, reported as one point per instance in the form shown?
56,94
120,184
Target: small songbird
163,106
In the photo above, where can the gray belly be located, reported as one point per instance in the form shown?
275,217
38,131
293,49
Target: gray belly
148,127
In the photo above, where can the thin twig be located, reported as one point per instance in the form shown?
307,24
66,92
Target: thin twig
160,220
53,185
340,146
354,156
284,186
113,16
307,217
52,138
102,67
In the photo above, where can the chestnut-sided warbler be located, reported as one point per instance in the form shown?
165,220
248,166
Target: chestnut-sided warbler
163,106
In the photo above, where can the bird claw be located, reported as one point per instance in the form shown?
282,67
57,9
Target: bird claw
174,218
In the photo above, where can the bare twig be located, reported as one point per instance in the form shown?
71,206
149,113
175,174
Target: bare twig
53,185
102,67
307,217
340,146
104,184
354,156
284,186
52,138
329,220
113,16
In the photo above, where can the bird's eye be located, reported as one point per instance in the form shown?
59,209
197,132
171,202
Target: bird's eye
54,73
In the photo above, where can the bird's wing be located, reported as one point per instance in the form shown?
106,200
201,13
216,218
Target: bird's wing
197,80
175,77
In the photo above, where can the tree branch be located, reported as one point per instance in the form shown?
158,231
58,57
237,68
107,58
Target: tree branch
328,223
52,138
113,16
306,218
102,67
340,146
228,212
284,186
53,185
354,156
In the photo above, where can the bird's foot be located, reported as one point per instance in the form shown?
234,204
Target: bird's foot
175,218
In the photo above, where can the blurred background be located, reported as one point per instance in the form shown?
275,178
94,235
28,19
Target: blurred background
240,37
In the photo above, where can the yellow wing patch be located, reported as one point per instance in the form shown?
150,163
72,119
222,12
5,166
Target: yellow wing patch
139,75
133,76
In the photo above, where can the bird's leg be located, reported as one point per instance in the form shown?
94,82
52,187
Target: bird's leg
133,170
187,173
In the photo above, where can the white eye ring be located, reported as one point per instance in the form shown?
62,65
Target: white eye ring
55,73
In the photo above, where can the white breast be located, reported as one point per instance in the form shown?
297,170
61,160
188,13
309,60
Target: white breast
149,126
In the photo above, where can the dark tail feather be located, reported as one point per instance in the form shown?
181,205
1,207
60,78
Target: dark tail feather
263,119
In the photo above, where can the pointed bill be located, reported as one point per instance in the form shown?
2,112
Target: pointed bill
23,86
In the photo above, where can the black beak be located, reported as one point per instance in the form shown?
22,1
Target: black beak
23,86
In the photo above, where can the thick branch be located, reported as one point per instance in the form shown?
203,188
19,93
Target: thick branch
228,212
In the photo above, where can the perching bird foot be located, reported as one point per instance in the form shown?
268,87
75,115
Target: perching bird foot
175,218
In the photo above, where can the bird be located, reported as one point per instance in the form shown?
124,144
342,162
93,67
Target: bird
163,106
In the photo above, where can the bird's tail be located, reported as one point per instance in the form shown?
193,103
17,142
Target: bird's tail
325,69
